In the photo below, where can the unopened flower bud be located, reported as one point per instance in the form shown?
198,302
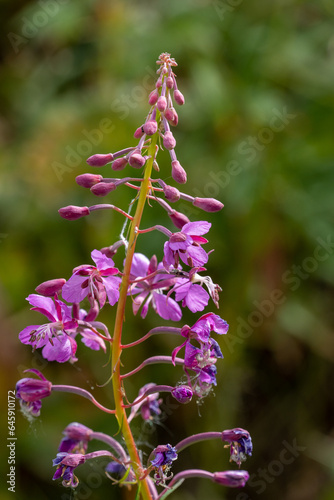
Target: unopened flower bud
172,194
162,103
169,140
99,160
88,180
136,160
138,133
178,173
50,287
159,82
156,166
153,97
72,212
169,82
172,116
183,394
103,188
208,204
150,127
178,96
231,478
33,389
119,164
178,219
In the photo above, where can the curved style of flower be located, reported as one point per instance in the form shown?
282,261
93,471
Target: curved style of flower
149,286
95,282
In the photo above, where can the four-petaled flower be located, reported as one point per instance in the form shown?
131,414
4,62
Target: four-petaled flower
150,285
95,282
186,245
53,337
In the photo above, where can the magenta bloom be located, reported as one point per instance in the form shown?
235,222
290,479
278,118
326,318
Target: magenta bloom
203,327
53,337
95,282
186,245
191,295
150,290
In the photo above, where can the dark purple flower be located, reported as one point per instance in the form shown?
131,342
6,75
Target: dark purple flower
240,444
182,393
53,337
231,478
150,290
76,438
164,456
66,463
186,245
30,391
95,282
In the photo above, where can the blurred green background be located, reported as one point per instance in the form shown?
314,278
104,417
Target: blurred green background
256,132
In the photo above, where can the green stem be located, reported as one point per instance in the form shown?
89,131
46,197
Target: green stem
120,315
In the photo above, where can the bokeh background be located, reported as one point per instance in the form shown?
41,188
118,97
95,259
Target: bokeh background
257,133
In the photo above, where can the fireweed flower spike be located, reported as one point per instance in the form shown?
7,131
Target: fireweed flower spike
151,287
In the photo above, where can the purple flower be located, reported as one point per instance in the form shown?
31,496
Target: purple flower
76,438
186,245
30,391
66,463
149,407
150,289
193,295
203,327
95,282
240,444
53,337
201,331
164,456
182,393
231,478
